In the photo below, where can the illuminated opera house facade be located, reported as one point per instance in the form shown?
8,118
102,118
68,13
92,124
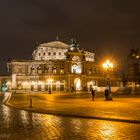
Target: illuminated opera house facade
56,66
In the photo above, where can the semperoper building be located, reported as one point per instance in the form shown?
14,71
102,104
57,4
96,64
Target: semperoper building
57,66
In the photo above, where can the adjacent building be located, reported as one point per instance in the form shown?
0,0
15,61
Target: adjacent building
133,71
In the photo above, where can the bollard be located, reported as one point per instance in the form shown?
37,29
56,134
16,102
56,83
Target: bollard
30,102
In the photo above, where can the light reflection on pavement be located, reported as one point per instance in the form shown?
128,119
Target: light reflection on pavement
22,125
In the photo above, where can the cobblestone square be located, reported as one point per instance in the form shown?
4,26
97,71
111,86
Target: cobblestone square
18,124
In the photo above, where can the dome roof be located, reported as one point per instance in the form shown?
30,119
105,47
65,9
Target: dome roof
55,44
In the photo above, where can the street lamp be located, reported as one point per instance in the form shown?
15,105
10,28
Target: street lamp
108,66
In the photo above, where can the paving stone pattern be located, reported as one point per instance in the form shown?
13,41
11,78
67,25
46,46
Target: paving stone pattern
22,125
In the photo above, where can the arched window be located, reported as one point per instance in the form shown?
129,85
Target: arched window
54,70
32,70
90,71
76,68
95,71
46,69
39,70
61,70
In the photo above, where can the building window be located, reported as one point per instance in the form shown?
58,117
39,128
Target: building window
54,70
58,86
46,70
44,53
76,68
49,53
90,71
32,70
59,53
39,70
39,54
99,72
95,71
54,53
61,70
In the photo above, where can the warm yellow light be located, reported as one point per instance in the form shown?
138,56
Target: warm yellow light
32,83
91,83
8,83
58,82
107,65
40,83
50,80
137,56
25,83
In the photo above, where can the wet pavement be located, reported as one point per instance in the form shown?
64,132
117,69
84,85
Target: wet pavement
23,125
122,108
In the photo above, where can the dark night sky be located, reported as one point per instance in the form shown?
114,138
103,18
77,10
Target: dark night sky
109,27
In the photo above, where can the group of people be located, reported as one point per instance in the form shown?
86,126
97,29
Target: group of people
106,93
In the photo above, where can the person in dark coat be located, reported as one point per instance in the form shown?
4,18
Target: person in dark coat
93,94
106,94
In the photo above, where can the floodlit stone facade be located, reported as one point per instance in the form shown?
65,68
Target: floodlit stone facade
56,66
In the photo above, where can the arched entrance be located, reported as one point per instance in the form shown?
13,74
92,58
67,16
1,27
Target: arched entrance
77,84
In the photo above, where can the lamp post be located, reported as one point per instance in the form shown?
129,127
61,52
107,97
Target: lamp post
108,66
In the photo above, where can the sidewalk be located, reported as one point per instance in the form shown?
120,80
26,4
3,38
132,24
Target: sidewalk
122,108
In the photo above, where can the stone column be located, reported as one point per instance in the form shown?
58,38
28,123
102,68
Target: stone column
14,82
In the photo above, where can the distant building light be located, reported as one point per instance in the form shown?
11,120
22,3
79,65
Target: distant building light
133,54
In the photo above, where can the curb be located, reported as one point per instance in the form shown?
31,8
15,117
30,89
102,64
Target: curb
60,113
8,98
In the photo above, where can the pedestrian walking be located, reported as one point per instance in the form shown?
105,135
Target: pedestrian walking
93,94
106,94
